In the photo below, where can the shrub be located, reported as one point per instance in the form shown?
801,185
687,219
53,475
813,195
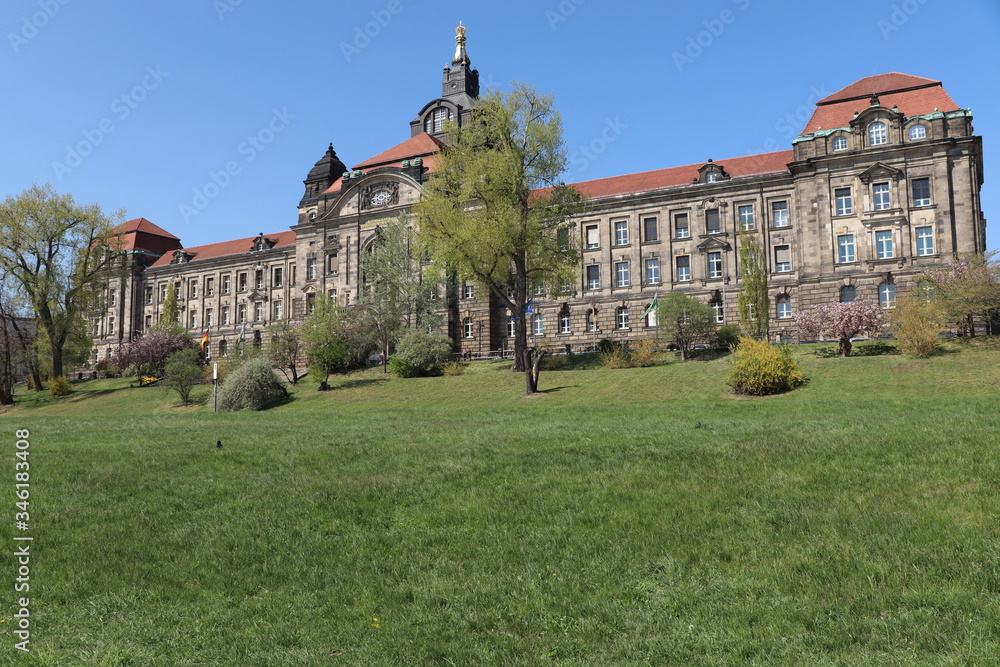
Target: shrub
617,357
252,386
606,345
555,362
916,324
727,337
183,371
59,386
453,368
641,353
420,354
760,369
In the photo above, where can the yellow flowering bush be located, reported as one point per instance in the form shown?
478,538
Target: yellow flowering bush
760,369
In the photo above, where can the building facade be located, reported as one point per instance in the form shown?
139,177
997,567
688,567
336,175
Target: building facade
882,183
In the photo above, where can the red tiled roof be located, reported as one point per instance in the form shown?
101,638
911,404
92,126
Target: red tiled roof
912,95
673,177
418,146
236,247
145,226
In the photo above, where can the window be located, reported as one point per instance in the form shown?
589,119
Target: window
209,286
539,325
311,268
591,320
848,293
333,262
840,144
719,310
291,274
883,245
241,282
921,191
880,196
621,317
258,312
918,132
621,233
163,293
111,325
784,307
681,229
715,265
111,299
650,230
241,313
782,259
258,279
712,221
511,326
779,213
593,277
468,291
193,319
467,329
310,304
746,218
277,277
925,241
712,177
562,238
652,272
842,197
223,348
225,316
565,324
193,288
593,239
887,295
277,310
209,317
845,248
149,321
435,123
683,268
148,294
538,289
621,274
227,284
877,134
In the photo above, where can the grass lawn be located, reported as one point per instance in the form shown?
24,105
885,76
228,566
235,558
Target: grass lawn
623,517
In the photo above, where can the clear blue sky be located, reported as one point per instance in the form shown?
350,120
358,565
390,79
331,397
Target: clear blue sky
136,104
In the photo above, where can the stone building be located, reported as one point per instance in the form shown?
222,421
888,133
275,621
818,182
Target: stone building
882,183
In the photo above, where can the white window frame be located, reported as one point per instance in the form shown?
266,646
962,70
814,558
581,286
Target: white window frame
683,271
621,232
887,295
652,271
884,245
918,132
840,144
784,309
881,197
878,134
717,216
719,309
779,266
593,236
921,201
685,231
538,324
925,241
467,328
622,317
846,251
622,278
843,201
747,222
593,282
565,322
779,213
715,265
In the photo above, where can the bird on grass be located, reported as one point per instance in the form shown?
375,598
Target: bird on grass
218,444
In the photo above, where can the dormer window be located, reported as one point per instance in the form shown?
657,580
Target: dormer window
840,144
711,177
877,134
434,124
918,132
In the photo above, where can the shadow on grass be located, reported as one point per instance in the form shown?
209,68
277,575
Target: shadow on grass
359,383
874,349
555,389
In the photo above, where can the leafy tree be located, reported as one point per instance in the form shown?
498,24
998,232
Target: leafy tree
495,210
285,350
148,354
171,309
684,320
967,288
252,386
398,288
841,320
753,302
421,353
60,255
332,336
183,371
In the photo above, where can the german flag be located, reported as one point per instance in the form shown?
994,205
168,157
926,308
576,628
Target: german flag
204,340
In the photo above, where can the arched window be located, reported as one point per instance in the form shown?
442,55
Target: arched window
434,123
877,134
622,317
887,295
565,324
840,144
848,293
467,327
784,307
511,326
918,132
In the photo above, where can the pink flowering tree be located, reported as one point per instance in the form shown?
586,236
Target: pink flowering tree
842,321
967,288
148,354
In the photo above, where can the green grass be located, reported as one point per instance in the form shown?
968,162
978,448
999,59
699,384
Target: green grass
637,516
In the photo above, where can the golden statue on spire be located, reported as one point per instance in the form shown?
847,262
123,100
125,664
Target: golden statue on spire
461,57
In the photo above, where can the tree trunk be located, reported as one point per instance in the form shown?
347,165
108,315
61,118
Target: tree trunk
845,347
532,370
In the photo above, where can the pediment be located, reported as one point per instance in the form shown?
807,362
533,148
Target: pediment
257,295
712,202
879,171
713,243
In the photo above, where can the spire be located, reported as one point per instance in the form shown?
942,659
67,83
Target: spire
461,57
323,174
